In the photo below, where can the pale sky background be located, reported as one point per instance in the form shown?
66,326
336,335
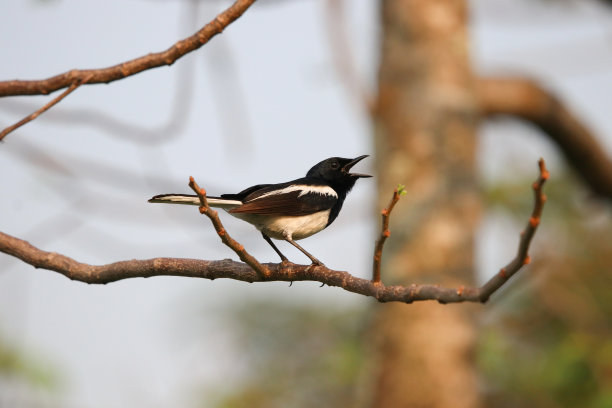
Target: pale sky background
260,103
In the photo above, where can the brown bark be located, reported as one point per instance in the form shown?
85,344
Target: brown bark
525,99
425,119
131,67
77,77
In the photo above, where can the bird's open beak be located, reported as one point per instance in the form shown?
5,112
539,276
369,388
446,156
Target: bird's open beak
353,162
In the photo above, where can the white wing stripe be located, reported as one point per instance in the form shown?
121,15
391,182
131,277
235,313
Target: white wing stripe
194,200
223,203
323,190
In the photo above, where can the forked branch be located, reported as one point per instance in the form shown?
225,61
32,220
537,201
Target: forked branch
235,246
253,271
76,77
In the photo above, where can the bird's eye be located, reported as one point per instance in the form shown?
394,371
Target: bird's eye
335,165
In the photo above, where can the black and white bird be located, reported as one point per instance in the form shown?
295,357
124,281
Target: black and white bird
289,211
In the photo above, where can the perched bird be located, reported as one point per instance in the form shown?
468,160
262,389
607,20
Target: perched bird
289,211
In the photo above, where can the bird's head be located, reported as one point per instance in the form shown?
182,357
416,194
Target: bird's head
336,171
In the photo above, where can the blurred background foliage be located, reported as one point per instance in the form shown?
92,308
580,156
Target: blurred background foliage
25,373
292,355
22,366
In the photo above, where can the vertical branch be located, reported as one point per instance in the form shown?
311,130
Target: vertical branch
385,233
522,257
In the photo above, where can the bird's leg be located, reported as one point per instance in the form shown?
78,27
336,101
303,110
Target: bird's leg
269,241
312,258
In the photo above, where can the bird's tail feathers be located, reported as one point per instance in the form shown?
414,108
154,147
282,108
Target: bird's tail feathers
189,199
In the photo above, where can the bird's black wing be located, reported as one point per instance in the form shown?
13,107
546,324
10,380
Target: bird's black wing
241,196
299,197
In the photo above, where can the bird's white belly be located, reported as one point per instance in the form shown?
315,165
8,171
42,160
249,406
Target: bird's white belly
280,227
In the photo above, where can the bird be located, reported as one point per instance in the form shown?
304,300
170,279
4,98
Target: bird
287,211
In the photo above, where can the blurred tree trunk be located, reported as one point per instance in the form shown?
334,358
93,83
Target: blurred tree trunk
425,124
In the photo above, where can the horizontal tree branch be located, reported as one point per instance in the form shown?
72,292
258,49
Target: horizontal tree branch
102,274
525,99
132,67
77,77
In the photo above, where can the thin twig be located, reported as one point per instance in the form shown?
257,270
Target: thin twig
384,233
43,109
522,256
287,272
225,237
